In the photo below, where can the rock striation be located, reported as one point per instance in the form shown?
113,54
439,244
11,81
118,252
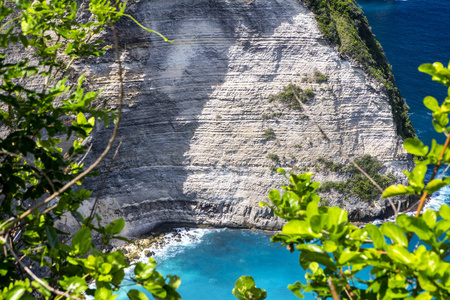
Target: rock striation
196,148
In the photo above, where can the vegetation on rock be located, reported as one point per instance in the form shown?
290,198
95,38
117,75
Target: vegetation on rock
343,23
358,185
319,77
269,134
287,96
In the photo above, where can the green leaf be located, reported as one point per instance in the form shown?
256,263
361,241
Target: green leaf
296,288
174,281
444,211
245,283
397,190
136,295
281,171
431,103
424,296
310,248
297,227
15,293
395,233
376,236
245,288
103,293
438,127
425,283
430,217
415,225
156,290
417,176
436,184
337,219
348,255
275,197
77,216
115,227
81,119
52,237
442,226
81,241
74,285
307,257
400,255
329,246
144,271
118,277
415,146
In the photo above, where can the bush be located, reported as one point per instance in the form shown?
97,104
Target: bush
357,185
275,158
319,77
287,96
333,167
269,134
42,103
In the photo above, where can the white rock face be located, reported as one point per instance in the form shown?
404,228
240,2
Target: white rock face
194,148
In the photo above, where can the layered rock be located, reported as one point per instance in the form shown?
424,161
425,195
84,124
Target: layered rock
195,149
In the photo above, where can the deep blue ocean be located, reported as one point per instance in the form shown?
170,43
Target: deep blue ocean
209,262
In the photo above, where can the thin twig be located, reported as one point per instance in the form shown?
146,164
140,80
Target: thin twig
334,294
81,160
305,109
98,160
103,184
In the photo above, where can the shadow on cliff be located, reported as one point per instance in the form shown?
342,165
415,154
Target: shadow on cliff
169,85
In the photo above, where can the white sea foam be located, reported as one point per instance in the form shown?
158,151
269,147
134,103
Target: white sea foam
176,242
439,198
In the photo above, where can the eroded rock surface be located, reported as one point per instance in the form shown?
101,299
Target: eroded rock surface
194,147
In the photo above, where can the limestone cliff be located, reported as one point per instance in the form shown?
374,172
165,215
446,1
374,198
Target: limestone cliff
195,146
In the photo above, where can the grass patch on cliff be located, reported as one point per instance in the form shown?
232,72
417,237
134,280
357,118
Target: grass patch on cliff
320,77
269,134
343,23
356,184
287,96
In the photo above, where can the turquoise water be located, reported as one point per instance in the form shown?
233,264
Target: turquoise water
209,261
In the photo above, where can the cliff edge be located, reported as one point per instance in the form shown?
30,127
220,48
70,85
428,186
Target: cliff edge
201,139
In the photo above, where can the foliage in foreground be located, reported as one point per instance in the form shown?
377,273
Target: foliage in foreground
407,259
42,104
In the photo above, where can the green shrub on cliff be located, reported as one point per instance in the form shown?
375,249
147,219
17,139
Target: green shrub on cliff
42,104
358,185
287,96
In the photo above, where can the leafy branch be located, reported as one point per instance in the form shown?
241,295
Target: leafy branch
406,258
37,174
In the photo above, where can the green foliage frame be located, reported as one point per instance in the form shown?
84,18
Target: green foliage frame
43,103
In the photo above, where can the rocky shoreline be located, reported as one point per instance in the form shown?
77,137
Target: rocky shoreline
141,248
